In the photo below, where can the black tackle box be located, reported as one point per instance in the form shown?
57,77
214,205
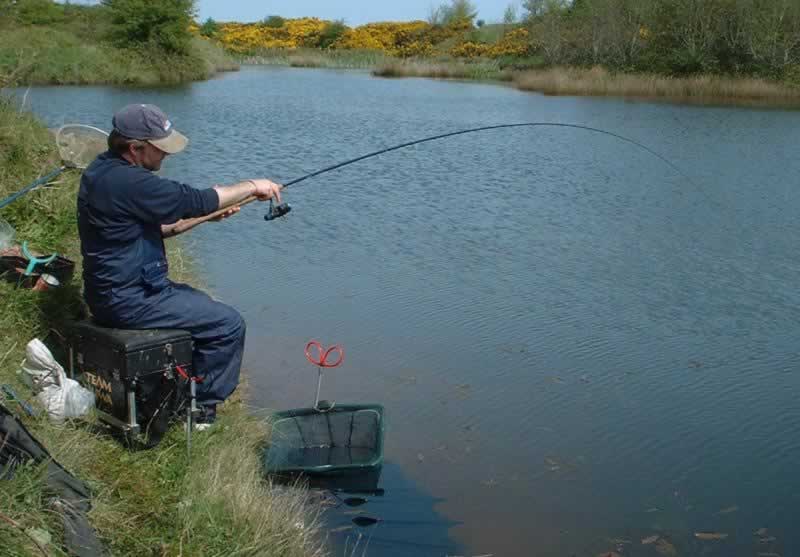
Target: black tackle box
138,376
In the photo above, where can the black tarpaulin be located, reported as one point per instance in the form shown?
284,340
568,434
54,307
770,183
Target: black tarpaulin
71,496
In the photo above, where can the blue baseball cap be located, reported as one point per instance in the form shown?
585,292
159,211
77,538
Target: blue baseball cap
147,122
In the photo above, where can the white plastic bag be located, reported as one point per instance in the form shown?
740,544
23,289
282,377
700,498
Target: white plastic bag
40,369
61,396
69,400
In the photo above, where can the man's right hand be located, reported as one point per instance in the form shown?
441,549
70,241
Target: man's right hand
267,189
261,189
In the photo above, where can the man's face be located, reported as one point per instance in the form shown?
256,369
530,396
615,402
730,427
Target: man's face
149,156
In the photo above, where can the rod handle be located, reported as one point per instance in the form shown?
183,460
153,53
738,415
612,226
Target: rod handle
187,224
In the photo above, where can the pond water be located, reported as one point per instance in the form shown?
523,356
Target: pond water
577,348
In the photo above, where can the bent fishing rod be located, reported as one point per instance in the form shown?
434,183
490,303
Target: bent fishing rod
277,211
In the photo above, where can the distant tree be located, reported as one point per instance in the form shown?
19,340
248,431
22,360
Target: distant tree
455,12
610,32
209,28
163,24
510,15
480,23
549,26
533,8
435,15
274,21
331,33
38,12
772,33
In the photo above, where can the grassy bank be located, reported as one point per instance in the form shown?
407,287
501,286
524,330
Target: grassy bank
379,63
711,89
600,82
50,55
701,89
145,503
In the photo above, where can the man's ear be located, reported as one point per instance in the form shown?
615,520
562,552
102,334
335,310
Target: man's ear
134,149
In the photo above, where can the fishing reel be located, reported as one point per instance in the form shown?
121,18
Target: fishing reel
277,211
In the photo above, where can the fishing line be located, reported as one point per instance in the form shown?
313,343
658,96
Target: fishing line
277,211
495,127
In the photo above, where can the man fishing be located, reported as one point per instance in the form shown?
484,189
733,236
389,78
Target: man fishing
124,212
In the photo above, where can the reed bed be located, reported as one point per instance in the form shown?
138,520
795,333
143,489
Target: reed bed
315,58
702,88
451,69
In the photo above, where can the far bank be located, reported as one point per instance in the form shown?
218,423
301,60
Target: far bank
41,56
114,43
528,75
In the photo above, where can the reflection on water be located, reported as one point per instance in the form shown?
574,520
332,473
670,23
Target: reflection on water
398,520
577,350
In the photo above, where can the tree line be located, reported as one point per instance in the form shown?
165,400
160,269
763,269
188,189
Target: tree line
674,37
679,37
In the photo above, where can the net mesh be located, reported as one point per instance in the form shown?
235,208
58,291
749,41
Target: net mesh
336,438
79,145
7,234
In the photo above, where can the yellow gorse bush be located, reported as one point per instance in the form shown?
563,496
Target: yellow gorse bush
295,33
388,37
403,39
470,49
513,43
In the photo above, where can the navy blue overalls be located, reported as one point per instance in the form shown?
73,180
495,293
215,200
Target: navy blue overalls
121,208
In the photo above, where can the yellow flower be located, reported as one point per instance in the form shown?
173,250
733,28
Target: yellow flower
405,39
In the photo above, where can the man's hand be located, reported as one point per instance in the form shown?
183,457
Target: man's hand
267,189
262,189
229,198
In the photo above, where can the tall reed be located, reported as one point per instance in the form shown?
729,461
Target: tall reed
703,88
450,69
315,58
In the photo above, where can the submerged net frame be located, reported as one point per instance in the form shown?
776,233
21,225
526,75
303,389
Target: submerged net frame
346,438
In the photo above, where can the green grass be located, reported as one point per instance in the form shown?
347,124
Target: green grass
153,502
490,33
45,55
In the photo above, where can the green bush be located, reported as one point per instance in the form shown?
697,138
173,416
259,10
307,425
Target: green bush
163,24
39,12
274,21
792,75
43,55
209,28
331,33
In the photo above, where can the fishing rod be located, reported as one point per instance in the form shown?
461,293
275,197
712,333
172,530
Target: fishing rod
277,211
